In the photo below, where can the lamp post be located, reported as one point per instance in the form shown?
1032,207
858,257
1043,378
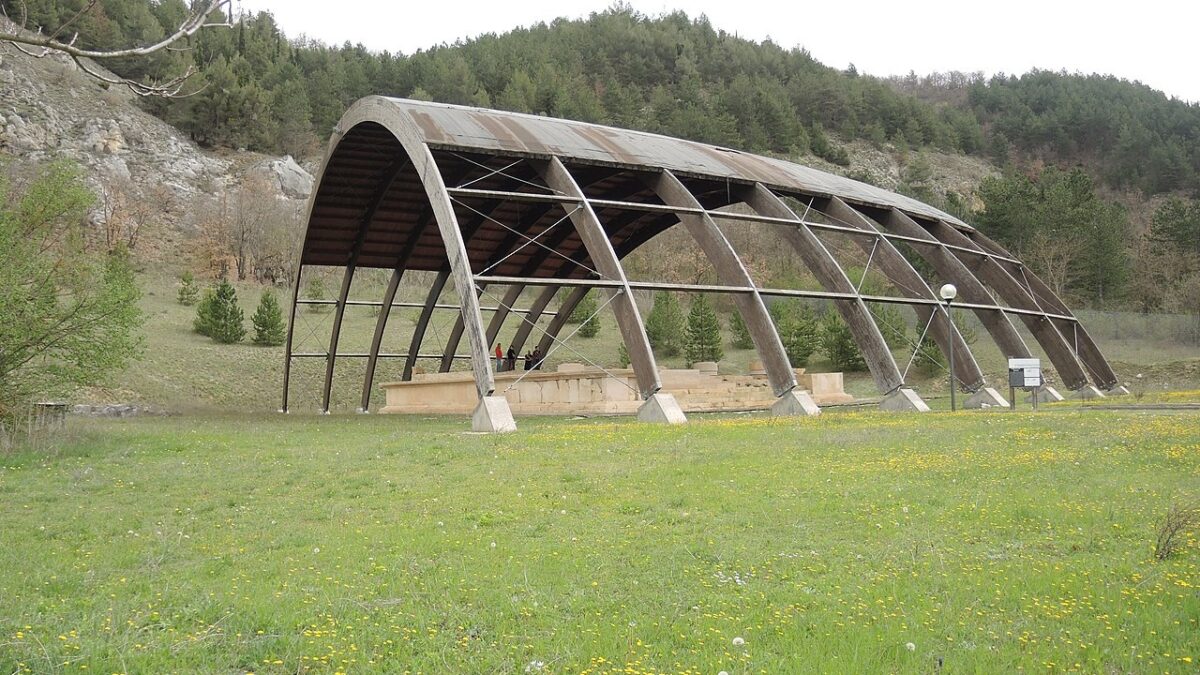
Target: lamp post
948,291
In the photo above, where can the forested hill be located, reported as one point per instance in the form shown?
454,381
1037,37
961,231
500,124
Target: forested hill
670,74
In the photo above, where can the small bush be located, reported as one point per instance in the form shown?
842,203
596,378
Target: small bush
315,290
189,292
798,330
740,332
1172,532
838,344
583,313
269,329
219,315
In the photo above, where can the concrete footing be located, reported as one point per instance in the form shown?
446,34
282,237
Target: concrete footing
1045,394
1086,393
986,398
1118,390
903,400
493,416
795,403
661,408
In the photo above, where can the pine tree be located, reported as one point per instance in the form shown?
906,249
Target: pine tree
583,313
316,291
666,325
206,313
740,332
703,332
838,344
798,330
189,293
227,325
268,323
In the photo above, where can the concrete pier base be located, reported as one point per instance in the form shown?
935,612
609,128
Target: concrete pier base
661,408
903,400
795,402
1045,394
1119,390
1086,393
493,416
986,398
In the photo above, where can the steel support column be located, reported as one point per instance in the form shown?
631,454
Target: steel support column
832,277
906,279
730,270
601,252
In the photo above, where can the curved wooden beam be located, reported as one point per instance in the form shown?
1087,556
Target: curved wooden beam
601,252
832,277
730,270
970,288
908,281
997,275
1084,346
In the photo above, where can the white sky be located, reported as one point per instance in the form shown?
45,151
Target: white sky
1154,41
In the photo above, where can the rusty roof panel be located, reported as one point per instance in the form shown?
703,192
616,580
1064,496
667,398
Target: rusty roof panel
493,131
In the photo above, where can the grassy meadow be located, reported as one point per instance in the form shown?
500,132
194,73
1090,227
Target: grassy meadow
184,371
852,542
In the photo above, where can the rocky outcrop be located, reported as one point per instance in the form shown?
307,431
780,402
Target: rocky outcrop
50,109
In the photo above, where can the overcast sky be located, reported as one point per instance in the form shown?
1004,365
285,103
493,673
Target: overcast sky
1154,41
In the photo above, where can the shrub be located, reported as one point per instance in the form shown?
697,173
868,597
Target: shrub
798,329
666,326
583,313
703,332
269,328
189,292
740,332
224,319
1172,532
838,344
206,313
623,355
315,290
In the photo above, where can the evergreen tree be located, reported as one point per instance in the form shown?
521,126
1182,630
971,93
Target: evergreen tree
189,292
206,313
892,325
583,313
666,325
703,332
315,290
226,326
798,330
740,332
838,344
269,328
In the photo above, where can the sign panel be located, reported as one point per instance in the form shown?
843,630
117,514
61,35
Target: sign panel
1031,370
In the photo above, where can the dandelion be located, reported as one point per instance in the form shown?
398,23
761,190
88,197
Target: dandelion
738,641
910,646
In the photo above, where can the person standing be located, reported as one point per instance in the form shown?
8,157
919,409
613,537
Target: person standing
499,357
510,362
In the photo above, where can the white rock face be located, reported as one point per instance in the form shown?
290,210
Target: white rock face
50,109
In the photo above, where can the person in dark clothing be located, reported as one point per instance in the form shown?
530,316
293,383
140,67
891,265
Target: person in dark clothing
537,358
528,361
510,359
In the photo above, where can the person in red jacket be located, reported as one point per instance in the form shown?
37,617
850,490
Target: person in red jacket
499,357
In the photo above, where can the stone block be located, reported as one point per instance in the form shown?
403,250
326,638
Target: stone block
493,416
1086,393
795,403
903,400
571,367
1045,394
1118,390
706,367
661,408
757,368
986,398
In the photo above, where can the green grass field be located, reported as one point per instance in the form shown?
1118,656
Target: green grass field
852,542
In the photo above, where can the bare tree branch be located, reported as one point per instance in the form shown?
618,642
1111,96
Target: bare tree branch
39,45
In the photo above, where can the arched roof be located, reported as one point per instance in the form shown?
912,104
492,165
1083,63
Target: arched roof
611,163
